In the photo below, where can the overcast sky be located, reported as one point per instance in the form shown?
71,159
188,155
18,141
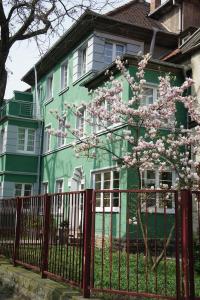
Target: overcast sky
22,57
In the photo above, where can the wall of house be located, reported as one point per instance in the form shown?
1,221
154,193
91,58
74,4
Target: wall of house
191,13
171,20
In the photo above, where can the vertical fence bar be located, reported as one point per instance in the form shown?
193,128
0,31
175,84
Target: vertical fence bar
17,230
46,231
87,242
187,244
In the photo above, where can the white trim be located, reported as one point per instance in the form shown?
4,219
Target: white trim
102,171
22,190
45,182
26,140
49,96
59,211
151,209
45,146
64,88
119,39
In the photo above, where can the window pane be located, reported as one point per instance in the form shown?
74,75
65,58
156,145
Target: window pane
119,50
27,189
18,189
98,199
21,138
106,199
64,76
147,96
83,60
30,140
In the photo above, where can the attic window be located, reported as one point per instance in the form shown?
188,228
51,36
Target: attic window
113,50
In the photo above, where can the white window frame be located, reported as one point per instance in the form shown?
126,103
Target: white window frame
98,128
78,119
26,140
45,183
114,48
159,209
154,87
81,61
48,88
47,135
23,189
64,81
61,139
102,171
59,210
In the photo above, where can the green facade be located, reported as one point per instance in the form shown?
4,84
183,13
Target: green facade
60,163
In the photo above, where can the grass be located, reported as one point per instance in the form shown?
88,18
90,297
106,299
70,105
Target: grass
135,273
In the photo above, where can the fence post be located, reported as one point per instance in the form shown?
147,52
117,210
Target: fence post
187,244
46,231
17,229
87,242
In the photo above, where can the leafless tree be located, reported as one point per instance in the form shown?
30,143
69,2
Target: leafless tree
25,19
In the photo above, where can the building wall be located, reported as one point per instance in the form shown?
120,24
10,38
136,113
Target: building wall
171,20
191,13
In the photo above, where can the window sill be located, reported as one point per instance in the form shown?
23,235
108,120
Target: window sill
25,152
48,101
151,210
82,77
63,91
107,209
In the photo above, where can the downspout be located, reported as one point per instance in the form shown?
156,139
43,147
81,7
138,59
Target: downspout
41,127
153,41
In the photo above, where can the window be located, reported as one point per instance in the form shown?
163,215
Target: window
23,189
112,50
150,95
45,187
58,204
49,87
61,137
64,75
80,121
155,179
106,180
102,123
47,138
26,139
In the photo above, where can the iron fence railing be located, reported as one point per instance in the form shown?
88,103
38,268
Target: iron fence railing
18,108
143,243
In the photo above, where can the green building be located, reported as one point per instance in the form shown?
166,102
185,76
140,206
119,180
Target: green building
31,160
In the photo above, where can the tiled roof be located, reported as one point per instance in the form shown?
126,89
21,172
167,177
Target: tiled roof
136,12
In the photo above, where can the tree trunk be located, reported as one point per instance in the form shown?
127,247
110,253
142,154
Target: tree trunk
3,80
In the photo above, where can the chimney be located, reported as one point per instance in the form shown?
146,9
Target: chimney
154,4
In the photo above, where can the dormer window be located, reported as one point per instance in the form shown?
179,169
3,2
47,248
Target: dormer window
112,51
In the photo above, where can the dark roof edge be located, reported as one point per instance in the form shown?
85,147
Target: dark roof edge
132,60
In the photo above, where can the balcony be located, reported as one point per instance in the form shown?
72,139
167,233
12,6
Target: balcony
18,108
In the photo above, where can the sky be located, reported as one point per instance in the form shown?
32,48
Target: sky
22,57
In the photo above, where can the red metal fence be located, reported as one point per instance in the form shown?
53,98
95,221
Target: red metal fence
143,243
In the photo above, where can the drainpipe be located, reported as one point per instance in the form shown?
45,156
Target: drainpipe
41,127
153,41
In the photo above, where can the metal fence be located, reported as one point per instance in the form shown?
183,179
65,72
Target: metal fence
143,243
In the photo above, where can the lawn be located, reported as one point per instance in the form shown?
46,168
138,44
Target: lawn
112,269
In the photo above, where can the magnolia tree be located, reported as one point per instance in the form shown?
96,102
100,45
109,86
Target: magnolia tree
152,133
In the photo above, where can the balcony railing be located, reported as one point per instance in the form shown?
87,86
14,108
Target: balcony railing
18,108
